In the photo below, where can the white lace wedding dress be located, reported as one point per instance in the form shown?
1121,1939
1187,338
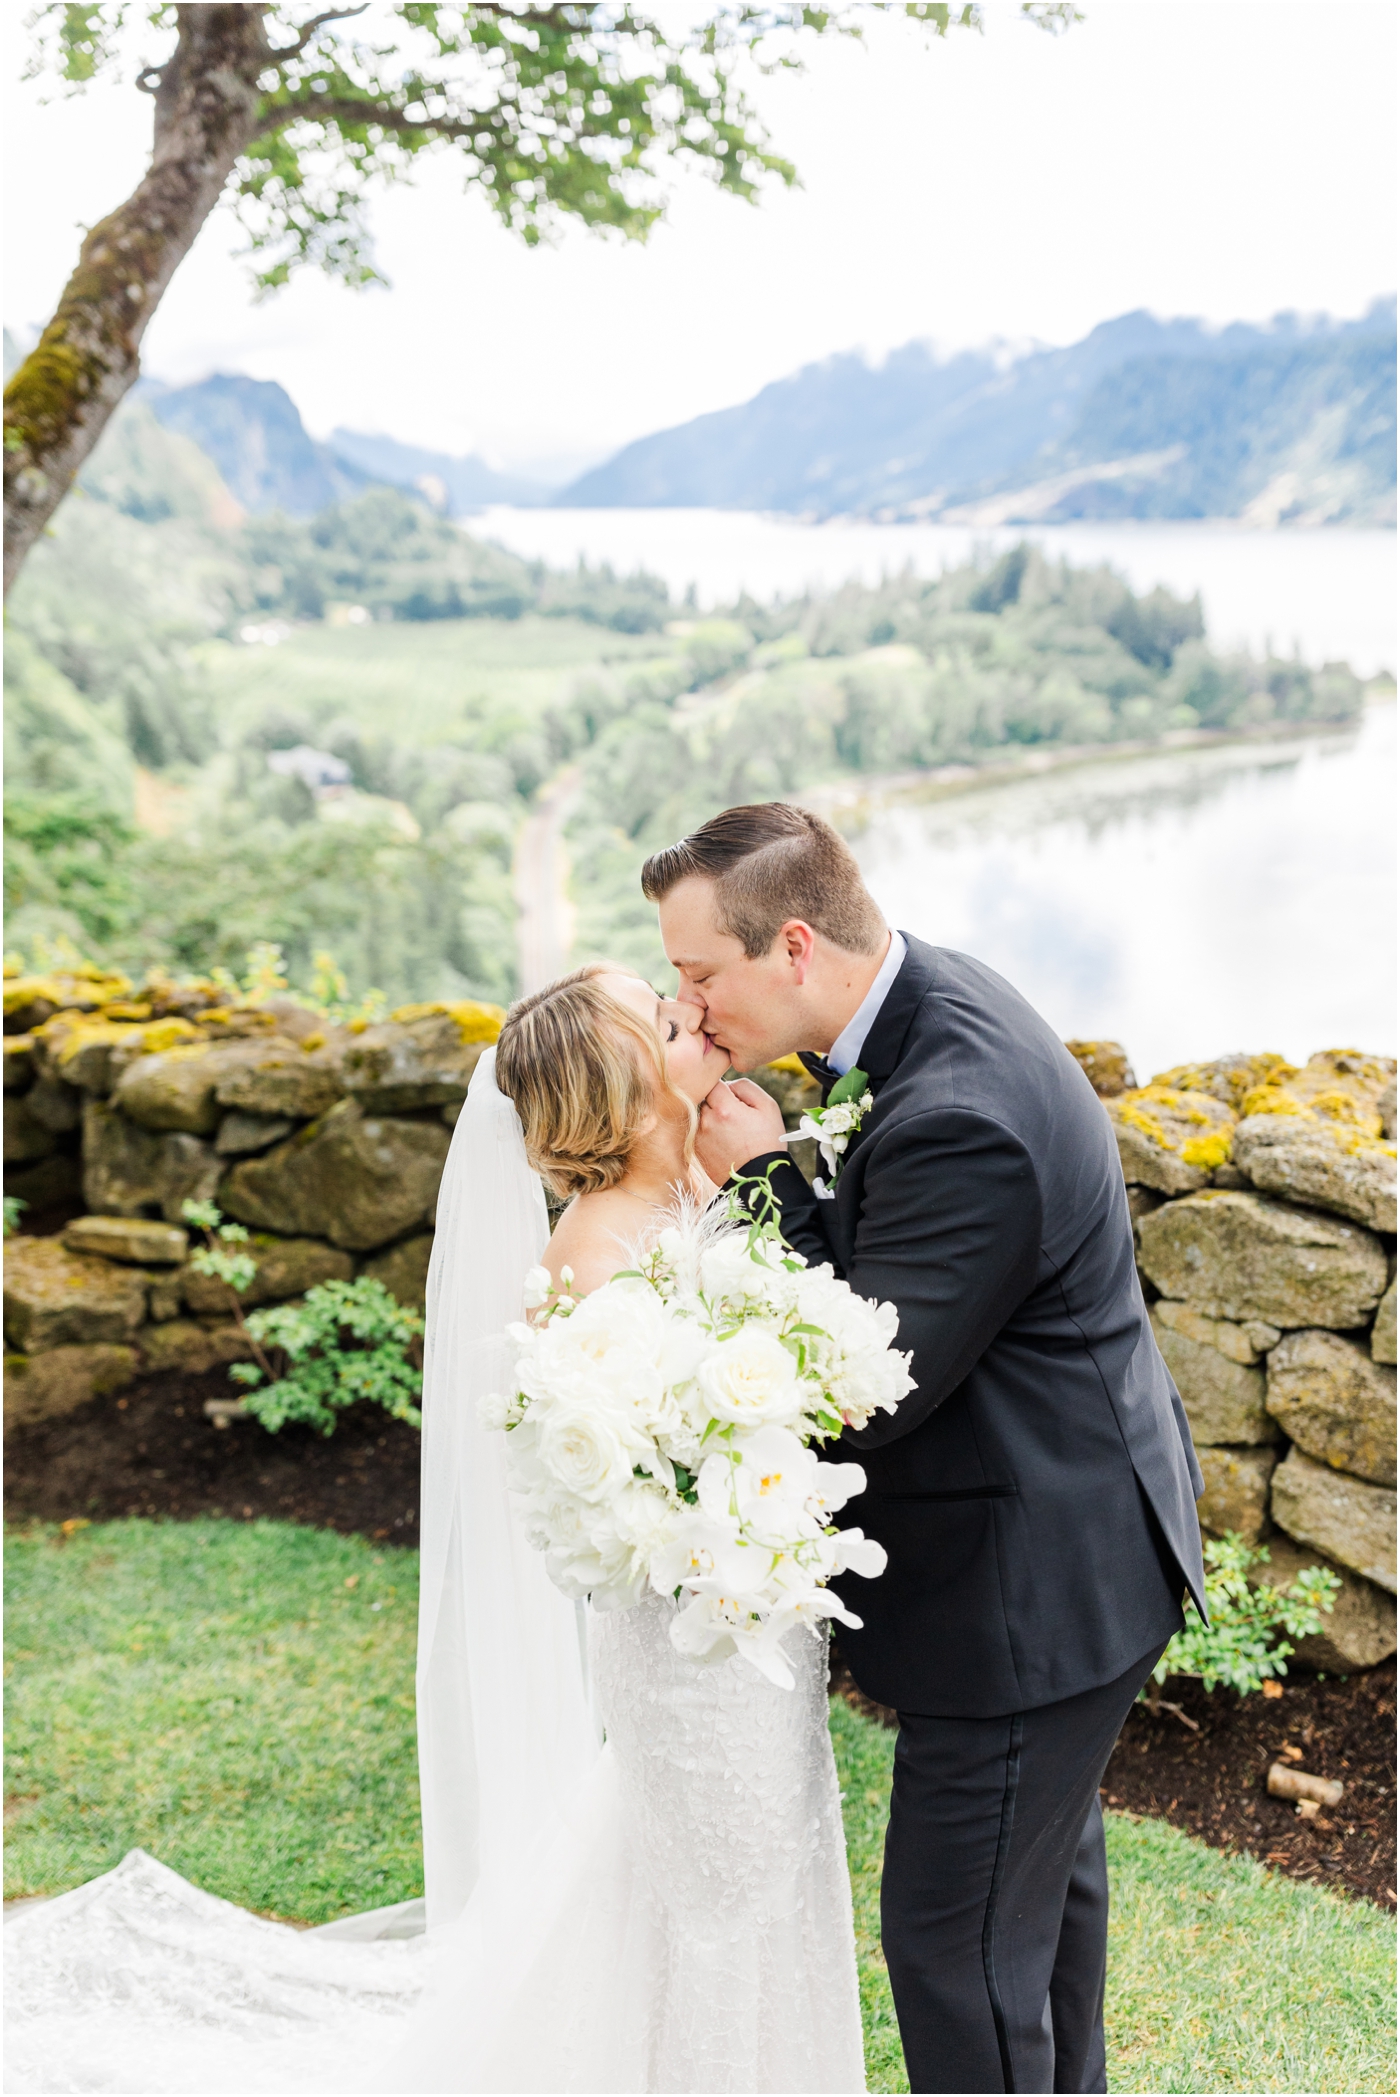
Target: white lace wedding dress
691,1931
671,1913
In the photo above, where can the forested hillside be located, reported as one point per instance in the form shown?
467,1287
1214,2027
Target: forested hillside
325,733
1143,418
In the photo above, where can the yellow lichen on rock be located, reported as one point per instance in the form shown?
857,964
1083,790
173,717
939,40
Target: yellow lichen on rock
474,1021
1168,1138
1230,1078
1207,1152
1105,1064
159,1036
82,987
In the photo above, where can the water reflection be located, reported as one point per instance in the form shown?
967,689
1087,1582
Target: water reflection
1187,904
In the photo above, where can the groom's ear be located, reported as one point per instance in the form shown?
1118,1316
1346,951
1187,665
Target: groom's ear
799,942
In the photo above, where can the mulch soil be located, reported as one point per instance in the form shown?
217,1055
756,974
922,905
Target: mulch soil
1213,1782
154,1452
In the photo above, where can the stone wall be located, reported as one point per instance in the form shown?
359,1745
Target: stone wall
1264,1206
1263,1199
327,1141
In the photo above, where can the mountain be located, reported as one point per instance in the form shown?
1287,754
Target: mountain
1143,418
455,484
251,430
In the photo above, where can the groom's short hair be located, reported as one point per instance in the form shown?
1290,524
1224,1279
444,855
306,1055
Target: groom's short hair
771,862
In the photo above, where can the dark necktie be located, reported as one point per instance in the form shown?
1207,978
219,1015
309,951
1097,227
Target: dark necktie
817,1067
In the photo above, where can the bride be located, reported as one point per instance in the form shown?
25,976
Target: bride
634,1864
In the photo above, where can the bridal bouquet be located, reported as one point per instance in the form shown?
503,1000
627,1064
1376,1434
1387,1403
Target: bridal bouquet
659,1432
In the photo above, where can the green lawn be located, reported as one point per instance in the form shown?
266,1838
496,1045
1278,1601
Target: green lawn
1221,1975
237,1698
414,679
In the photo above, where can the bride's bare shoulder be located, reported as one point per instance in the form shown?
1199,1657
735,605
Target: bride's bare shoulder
591,1238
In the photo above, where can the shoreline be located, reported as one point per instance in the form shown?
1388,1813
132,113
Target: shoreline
842,799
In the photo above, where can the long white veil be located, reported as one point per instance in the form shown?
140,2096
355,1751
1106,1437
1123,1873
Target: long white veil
505,1731
140,1981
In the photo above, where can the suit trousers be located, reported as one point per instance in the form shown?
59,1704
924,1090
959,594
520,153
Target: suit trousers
994,1905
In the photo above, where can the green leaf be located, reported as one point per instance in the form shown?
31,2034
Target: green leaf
850,1087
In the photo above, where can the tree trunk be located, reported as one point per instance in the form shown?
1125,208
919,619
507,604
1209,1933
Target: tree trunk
59,401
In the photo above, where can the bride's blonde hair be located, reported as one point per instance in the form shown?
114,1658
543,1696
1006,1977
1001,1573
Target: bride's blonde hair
584,1071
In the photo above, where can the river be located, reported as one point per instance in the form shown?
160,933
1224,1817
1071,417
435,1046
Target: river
1188,905
1330,593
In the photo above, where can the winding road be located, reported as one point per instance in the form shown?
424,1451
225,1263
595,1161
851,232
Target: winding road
544,927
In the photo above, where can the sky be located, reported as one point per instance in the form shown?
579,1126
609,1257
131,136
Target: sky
1226,158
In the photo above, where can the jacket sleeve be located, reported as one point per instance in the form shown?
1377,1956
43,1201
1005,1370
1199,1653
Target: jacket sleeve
950,1233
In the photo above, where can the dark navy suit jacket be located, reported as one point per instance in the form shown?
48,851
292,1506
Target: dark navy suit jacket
1036,1492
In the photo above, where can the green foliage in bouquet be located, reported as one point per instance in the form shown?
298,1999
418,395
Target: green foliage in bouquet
1252,1625
344,1342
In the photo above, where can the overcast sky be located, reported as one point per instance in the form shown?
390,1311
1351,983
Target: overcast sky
1228,158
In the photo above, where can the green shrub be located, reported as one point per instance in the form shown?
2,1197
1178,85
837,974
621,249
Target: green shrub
345,1341
1248,1638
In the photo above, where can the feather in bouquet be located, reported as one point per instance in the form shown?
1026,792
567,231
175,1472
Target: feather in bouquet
659,1433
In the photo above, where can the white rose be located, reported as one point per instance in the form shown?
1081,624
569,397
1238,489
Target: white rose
621,1313
733,1271
493,1411
750,1379
586,1450
539,1287
644,1518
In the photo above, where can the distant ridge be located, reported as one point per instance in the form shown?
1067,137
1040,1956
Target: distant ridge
1289,423
253,432
465,484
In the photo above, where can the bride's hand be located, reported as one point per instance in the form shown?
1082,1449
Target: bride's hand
737,1122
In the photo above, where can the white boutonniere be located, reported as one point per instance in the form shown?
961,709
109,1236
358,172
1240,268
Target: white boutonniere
834,1124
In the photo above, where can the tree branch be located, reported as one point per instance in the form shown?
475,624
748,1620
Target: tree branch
328,109
331,14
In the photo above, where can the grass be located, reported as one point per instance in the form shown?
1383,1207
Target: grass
1221,1975
237,1698
414,680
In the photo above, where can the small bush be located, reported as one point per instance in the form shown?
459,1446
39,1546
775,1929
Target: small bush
345,1341
1251,1629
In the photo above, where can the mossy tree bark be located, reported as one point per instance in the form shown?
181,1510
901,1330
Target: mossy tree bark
60,399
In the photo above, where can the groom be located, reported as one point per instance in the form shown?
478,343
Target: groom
1034,1492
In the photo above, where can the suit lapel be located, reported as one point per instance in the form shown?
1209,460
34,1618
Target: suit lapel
884,1044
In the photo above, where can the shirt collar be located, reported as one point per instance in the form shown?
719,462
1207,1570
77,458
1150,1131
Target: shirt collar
845,1050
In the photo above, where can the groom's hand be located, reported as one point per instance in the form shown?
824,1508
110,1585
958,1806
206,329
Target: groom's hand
737,1122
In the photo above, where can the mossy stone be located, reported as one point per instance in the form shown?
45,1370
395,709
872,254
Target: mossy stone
1338,1405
